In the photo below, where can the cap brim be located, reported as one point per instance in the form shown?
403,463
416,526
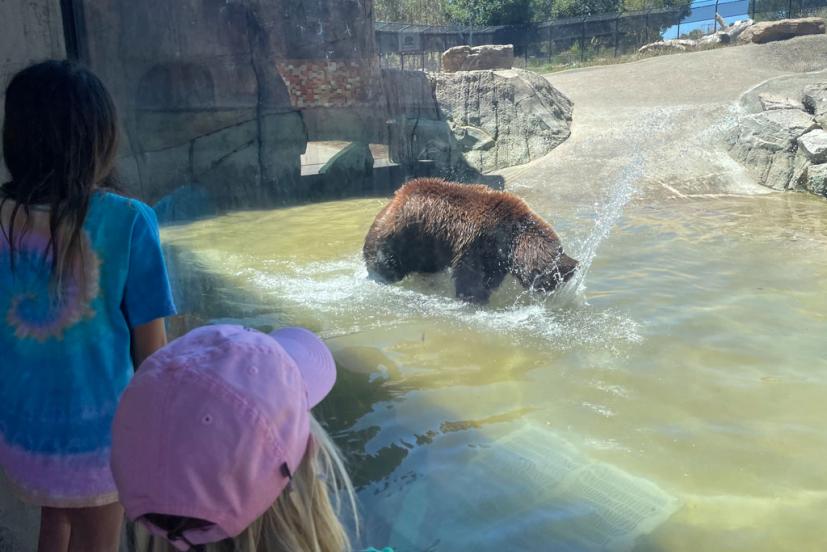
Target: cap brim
313,358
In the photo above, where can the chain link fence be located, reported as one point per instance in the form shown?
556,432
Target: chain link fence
577,40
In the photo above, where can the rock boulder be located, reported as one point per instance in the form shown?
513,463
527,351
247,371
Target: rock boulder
769,31
767,144
354,160
814,146
467,58
770,102
814,98
503,118
816,181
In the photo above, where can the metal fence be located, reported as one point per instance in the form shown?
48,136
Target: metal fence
579,39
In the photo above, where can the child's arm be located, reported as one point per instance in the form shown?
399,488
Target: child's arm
147,298
146,339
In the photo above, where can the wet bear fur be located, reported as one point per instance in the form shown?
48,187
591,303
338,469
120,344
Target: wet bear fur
481,234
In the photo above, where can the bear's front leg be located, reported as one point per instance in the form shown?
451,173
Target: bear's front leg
475,278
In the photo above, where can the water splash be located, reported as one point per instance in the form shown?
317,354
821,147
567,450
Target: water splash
607,215
339,293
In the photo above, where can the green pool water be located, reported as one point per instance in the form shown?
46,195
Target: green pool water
690,367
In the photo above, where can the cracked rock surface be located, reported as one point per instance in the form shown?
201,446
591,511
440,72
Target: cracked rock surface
503,118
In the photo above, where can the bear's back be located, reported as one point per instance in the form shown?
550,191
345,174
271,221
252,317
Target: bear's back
471,203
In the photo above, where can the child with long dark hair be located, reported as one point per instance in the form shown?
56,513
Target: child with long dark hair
83,294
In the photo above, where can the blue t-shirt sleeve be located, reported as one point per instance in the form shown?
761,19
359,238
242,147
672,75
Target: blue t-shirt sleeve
148,295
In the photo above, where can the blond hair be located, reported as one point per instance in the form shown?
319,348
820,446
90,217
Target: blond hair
306,517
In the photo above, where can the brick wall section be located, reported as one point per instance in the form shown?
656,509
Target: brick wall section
327,83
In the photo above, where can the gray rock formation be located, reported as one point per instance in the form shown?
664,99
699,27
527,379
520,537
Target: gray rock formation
227,102
814,146
769,31
726,35
770,102
355,158
785,146
415,140
417,130
766,143
503,118
474,120
410,94
467,58
224,105
816,180
814,98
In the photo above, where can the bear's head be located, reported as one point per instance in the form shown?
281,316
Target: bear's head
539,262
546,277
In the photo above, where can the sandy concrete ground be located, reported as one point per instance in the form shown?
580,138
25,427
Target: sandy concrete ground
659,119
662,120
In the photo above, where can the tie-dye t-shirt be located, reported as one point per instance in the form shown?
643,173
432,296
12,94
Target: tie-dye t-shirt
65,358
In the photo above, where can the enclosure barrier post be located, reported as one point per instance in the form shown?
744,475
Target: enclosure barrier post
583,41
646,27
617,19
715,21
526,53
790,9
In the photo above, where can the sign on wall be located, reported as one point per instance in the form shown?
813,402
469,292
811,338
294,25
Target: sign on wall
410,42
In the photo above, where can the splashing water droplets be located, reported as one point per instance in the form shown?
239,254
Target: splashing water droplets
607,216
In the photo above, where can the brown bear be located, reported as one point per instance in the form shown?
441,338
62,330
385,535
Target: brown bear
481,234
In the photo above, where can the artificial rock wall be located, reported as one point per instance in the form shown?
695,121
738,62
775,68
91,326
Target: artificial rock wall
223,95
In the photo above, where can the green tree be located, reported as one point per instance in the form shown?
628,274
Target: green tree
640,5
514,12
490,12
578,8
428,12
659,21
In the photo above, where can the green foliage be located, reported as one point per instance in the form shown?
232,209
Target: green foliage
490,12
577,8
772,9
640,5
512,12
428,12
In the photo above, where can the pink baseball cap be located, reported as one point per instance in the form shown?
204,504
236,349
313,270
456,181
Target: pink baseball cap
213,426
